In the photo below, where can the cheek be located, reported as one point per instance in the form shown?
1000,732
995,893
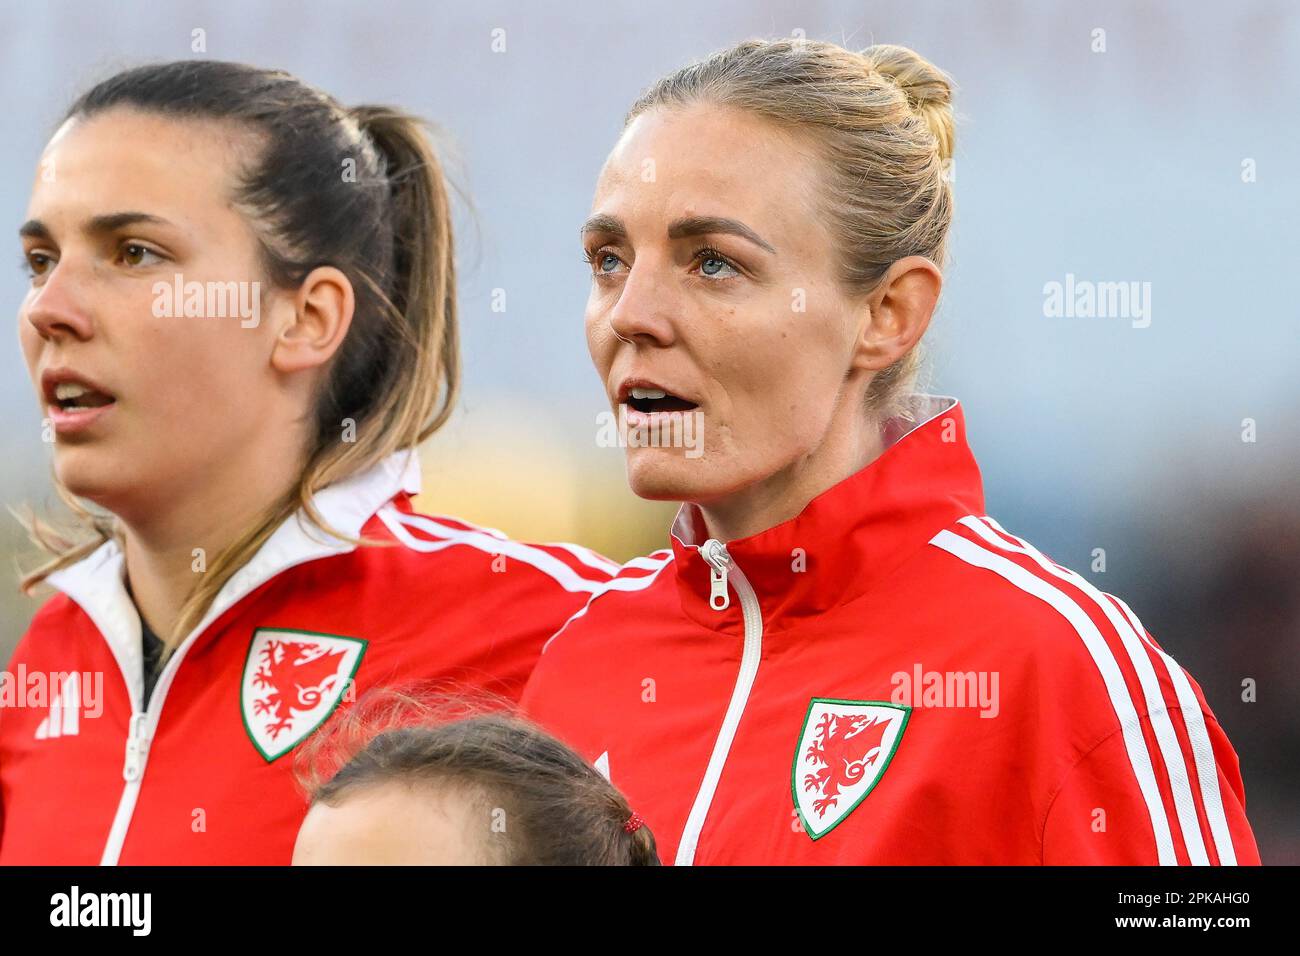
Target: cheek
601,343
782,383
201,374
763,367
29,340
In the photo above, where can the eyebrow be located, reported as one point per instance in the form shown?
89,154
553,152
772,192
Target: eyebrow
96,225
610,225
705,225
681,228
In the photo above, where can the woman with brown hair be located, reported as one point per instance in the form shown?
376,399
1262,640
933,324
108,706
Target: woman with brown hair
241,324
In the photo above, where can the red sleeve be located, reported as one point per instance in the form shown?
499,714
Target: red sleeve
2,818
549,584
1103,815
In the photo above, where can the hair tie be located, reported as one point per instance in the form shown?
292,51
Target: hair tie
634,823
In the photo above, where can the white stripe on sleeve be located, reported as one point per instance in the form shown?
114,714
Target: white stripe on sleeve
1130,724
1157,709
560,572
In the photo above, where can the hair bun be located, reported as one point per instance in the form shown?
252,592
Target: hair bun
928,89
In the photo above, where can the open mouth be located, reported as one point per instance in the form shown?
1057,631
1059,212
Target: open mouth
648,401
74,397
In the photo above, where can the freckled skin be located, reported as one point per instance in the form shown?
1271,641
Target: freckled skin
781,392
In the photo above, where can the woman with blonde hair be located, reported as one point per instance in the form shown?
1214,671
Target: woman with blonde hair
841,658
241,323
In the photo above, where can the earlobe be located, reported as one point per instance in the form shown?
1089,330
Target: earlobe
323,308
899,312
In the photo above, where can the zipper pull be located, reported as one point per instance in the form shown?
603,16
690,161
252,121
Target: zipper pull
715,553
137,745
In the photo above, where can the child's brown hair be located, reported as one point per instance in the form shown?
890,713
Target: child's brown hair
558,809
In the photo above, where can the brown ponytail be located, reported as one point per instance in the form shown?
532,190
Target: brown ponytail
361,190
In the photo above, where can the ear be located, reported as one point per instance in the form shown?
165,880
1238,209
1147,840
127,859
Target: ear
322,314
898,312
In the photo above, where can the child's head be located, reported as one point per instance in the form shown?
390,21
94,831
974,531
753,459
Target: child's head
485,789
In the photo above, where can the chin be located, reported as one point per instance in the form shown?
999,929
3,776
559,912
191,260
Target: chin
665,474
88,473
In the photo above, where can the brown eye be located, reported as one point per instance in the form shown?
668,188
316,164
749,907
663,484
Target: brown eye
36,263
134,254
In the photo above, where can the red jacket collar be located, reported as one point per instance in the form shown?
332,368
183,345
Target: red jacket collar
97,583
853,534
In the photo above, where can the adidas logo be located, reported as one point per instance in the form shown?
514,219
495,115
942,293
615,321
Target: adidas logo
70,696
65,711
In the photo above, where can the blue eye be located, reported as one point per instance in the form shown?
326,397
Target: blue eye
714,265
601,263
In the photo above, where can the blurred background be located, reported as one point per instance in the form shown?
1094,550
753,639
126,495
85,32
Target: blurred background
1161,149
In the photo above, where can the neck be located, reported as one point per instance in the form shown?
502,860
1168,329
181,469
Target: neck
846,449
169,549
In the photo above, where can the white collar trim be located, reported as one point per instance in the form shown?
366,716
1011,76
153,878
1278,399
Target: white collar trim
97,583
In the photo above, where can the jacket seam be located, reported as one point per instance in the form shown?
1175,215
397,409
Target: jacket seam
1065,777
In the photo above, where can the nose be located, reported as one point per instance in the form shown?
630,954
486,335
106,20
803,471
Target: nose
55,309
646,310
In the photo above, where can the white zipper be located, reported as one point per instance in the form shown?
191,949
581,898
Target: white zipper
137,746
144,721
140,732
346,506
722,570
719,599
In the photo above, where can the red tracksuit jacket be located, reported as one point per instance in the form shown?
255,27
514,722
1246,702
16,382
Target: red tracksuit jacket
890,678
204,774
